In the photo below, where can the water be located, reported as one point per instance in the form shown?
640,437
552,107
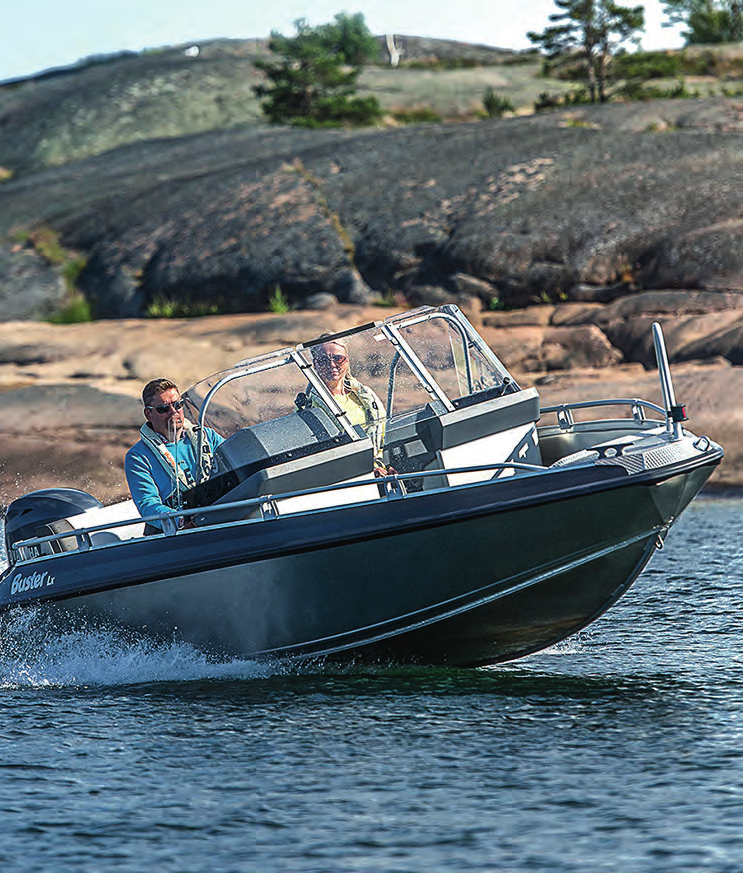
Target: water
621,749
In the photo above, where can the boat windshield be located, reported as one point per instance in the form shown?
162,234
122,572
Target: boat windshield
429,361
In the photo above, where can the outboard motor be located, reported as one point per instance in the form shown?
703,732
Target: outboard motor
29,516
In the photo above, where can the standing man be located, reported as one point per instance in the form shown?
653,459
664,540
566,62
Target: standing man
165,461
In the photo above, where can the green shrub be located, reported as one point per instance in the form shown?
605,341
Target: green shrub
646,65
421,115
546,101
496,105
166,307
76,311
640,91
387,300
278,302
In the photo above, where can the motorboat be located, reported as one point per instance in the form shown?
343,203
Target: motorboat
493,527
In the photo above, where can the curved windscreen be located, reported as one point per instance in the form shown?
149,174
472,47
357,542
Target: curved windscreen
429,360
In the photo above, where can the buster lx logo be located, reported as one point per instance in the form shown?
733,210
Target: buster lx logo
27,583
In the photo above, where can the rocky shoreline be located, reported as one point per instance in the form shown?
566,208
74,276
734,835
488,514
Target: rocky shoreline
69,404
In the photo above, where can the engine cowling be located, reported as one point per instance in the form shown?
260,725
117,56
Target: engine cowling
28,515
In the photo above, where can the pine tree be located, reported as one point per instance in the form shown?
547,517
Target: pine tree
314,81
709,22
593,30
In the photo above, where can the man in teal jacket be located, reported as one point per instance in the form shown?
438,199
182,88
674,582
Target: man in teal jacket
164,463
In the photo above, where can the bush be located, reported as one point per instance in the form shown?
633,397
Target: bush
278,302
646,65
496,105
76,311
640,91
546,101
421,115
166,307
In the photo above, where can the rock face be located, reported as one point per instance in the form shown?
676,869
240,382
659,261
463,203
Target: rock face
29,287
584,206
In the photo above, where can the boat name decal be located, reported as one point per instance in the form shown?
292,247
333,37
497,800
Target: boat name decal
28,583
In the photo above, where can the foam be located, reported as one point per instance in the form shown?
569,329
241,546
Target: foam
34,654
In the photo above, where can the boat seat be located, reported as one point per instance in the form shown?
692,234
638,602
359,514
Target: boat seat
287,438
99,515
409,446
494,431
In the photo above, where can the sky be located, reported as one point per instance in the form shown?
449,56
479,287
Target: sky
37,35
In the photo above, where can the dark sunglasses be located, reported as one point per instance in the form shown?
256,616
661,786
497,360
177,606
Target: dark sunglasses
165,407
334,359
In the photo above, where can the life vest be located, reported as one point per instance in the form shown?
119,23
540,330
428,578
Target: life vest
183,480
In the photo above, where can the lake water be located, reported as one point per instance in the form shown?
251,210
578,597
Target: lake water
621,749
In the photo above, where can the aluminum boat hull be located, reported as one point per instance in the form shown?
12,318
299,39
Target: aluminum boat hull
474,575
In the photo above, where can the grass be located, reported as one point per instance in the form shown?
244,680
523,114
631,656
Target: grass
457,94
419,115
46,243
278,302
76,311
166,307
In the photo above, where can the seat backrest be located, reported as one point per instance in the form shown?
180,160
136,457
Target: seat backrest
297,452
274,442
496,431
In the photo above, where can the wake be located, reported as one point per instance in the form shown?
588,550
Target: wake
36,654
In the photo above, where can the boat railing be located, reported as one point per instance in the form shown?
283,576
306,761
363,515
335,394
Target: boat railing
673,413
390,487
566,419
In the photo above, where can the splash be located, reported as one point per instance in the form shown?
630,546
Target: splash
36,653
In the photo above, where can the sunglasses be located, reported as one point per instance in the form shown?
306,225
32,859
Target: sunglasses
165,407
332,359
